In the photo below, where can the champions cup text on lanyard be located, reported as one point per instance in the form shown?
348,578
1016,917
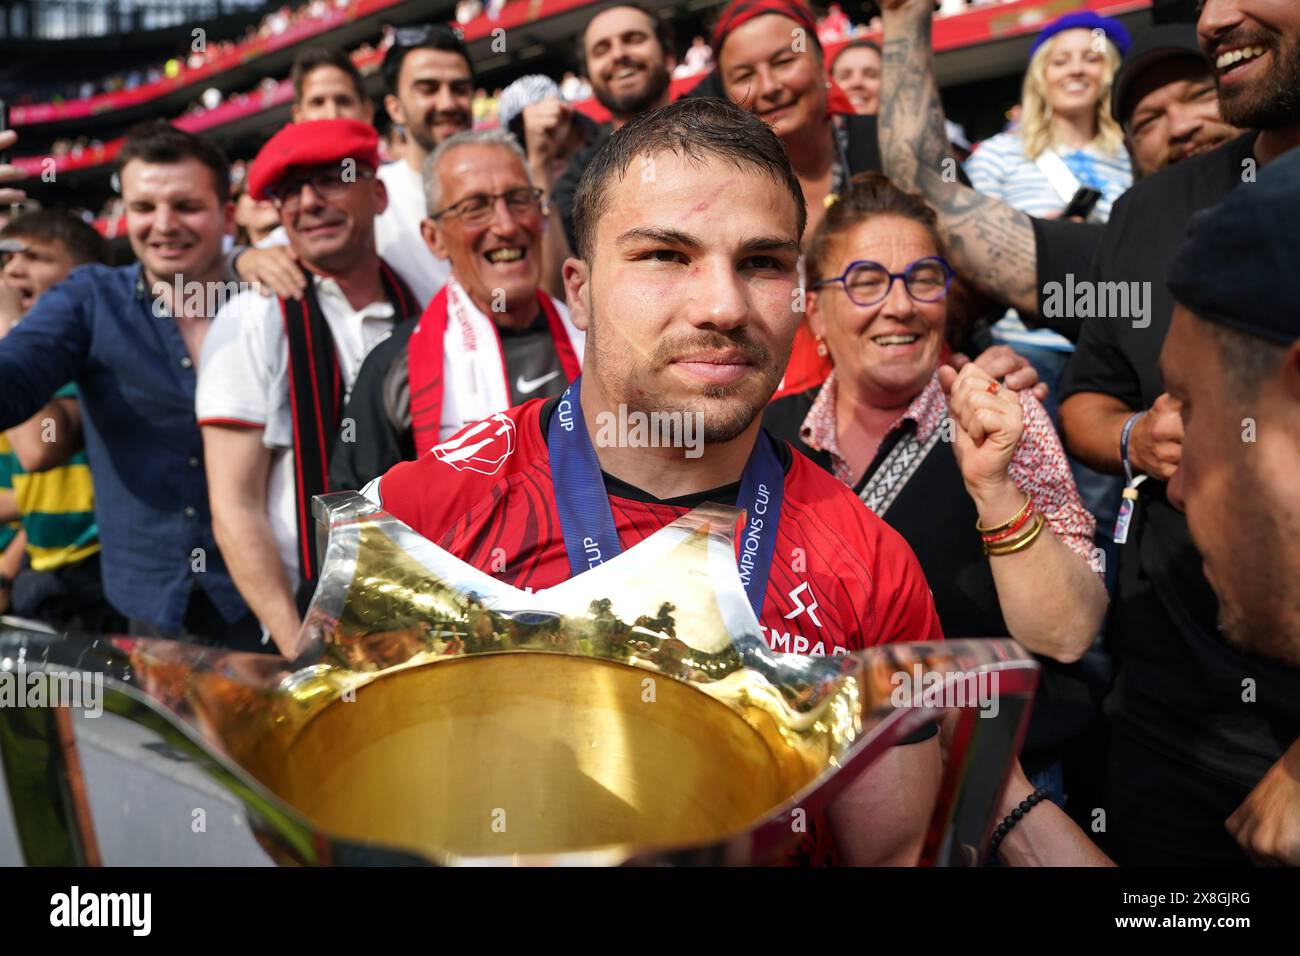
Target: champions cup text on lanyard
590,537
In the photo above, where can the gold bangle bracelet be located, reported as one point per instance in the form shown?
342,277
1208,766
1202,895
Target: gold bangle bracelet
1009,522
1020,541
1018,544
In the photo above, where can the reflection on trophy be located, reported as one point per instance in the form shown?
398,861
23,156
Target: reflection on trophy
633,714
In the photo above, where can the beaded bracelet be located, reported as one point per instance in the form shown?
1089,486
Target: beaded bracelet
1020,542
1010,522
990,538
1015,519
1014,817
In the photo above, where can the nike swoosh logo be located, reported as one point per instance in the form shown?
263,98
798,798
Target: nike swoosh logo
526,385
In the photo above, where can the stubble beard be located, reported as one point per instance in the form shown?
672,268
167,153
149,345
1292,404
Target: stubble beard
727,410
1275,103
634,104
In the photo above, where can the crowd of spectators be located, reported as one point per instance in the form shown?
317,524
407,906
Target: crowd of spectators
962,456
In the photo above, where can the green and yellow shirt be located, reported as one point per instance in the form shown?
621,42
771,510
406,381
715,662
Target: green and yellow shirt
56,508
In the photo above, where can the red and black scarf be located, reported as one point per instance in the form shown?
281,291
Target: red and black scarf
316,398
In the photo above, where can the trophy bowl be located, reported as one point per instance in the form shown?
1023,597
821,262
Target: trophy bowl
634,714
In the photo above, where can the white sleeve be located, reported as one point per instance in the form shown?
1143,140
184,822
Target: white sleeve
234,367
987,166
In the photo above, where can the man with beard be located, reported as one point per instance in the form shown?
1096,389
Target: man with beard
1165,98
275,373
489,340
129,338
1185,747
627,53
431,86
684,285
1232,362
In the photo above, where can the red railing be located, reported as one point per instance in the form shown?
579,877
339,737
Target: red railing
969,28
242,53
515,13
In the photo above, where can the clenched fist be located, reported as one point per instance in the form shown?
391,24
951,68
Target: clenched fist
1155,446
988,422
547,125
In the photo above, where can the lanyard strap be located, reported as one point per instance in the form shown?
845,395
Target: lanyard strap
590,536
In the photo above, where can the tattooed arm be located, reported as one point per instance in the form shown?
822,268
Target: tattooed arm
987,241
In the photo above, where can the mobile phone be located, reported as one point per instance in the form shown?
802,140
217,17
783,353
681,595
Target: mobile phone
4,125
1082,203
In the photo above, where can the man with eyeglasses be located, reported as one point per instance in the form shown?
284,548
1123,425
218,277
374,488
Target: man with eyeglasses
489,340
275,373
430,88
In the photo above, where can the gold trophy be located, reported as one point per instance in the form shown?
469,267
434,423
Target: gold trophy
632,715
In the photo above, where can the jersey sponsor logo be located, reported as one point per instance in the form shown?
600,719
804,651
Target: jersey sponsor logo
482,448
788,642
526,385
800,607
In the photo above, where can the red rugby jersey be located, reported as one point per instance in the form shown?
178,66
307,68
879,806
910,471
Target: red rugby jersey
841,578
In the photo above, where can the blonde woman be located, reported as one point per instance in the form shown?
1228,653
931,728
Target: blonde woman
1067,137
1066,140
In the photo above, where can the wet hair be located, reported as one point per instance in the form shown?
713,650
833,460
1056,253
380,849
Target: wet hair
696,128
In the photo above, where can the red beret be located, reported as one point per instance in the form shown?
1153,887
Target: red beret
313,143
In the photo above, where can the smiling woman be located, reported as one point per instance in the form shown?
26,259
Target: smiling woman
770,63
1067,142
909,435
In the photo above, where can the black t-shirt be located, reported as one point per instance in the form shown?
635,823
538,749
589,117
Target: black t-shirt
1118,356
565,187
1182,706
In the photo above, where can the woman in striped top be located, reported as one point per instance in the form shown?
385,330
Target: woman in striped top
1067,139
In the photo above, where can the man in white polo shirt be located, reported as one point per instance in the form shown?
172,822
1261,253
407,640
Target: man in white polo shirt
430,89
275,373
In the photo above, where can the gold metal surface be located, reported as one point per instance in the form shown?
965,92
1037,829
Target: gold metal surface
633,713
528,753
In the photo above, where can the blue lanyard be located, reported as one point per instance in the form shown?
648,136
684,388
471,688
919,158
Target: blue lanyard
590,537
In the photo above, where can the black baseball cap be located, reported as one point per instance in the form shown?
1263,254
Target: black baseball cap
1237,266
1169,41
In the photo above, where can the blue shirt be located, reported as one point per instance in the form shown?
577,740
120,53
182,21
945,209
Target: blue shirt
136,379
